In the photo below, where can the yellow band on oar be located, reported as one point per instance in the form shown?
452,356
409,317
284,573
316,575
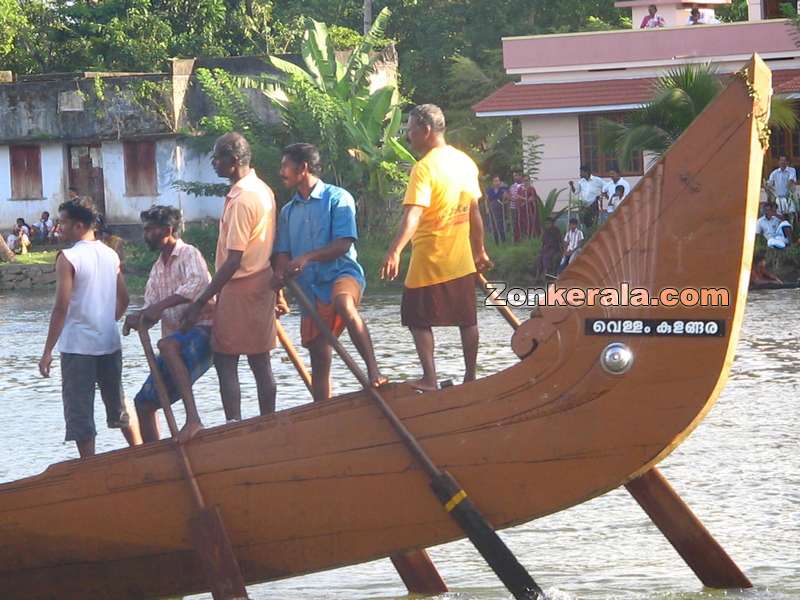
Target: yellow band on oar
455,501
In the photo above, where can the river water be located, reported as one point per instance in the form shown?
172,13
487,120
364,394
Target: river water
739,471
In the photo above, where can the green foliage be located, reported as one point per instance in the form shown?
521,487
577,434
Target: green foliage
330,104
735,11
233,112
12,20
548,205
679,97
495,143
515,263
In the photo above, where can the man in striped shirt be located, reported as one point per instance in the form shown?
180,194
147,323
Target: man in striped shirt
178,277
573,240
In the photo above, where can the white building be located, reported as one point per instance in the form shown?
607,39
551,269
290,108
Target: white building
566,83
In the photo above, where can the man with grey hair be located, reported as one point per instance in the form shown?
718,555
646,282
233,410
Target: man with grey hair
244,318
443,220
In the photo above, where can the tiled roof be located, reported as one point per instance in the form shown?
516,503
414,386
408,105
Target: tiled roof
587,94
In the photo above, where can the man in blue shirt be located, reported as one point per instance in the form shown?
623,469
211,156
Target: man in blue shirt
316,233
496,196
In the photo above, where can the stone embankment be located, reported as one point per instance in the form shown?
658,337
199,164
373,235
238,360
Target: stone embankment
25,277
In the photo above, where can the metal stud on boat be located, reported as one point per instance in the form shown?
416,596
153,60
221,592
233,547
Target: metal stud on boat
616,358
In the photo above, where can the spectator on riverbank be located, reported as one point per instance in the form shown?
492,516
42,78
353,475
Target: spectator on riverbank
652,19
573,240
551,250
759,274
178,277
781,184
610,187
777,231
43,227
529,223
589,188
516,197
496,197
612,203
698,17
19,240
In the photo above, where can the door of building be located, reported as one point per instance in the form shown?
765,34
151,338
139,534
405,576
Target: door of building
86,173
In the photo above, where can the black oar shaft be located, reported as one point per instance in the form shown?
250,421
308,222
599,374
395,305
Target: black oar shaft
454,499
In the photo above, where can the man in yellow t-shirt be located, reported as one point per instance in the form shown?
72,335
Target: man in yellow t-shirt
443,222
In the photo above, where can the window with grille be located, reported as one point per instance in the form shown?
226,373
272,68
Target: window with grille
598,161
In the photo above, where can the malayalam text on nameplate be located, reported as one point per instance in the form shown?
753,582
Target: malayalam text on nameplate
656,327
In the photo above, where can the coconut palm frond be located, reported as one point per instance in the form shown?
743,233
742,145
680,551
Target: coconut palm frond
782,114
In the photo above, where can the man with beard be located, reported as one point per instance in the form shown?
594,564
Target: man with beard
178,277
244,318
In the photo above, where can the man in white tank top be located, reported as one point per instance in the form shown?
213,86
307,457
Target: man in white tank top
90,297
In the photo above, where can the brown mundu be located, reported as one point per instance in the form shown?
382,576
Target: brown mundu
330,484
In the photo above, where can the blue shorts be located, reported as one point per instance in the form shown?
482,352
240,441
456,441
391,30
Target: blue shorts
197,356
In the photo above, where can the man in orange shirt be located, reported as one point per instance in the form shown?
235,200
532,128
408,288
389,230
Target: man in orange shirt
244,318
442,219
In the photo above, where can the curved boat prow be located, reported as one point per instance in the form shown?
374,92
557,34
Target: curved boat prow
328,485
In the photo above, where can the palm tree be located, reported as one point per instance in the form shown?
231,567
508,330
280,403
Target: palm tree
679,97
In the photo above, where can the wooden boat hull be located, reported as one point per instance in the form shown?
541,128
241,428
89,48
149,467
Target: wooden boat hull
323,486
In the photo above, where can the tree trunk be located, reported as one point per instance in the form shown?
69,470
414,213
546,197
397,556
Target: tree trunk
367,16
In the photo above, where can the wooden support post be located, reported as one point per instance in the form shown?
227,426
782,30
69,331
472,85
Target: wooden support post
685,532
673,517
415,568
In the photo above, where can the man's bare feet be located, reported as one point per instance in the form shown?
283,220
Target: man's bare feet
376,379
188,431
423,385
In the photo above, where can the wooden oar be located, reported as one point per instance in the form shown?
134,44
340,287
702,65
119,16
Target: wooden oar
676,521
453,498
206,529
415,568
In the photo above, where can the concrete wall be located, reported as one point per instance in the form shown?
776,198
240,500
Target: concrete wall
37,109
561,152
174,161
54,185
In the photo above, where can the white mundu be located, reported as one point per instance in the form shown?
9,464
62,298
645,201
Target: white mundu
91,325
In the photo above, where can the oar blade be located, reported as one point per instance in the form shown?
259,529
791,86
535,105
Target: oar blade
213,547
418,573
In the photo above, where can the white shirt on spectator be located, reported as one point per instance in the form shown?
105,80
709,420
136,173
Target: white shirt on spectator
611,187
772,228
705,19
613,203
779,181
573,238
589,189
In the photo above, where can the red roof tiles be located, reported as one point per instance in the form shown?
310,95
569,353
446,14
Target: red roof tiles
514,97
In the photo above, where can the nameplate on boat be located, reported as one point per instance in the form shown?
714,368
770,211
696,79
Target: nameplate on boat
656,327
